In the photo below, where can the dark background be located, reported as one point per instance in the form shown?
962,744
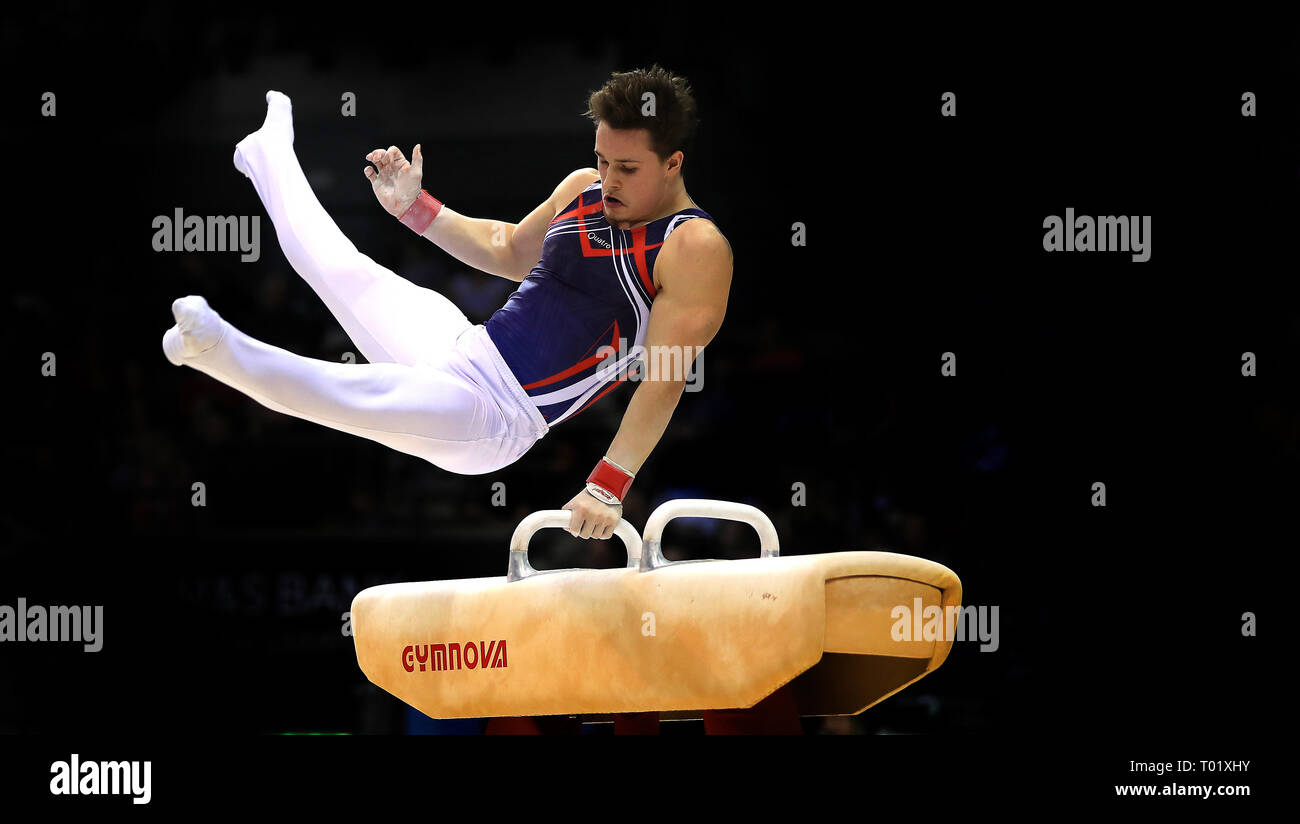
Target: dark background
924,236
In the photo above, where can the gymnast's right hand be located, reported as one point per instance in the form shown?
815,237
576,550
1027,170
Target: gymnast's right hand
397,182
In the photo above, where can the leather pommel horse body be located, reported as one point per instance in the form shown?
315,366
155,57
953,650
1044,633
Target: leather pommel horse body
655,636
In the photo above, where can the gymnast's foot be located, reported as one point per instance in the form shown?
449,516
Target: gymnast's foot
278,126
198,328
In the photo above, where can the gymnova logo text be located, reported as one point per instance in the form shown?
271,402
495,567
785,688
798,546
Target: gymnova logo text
131,778
56,623
952,623
442,657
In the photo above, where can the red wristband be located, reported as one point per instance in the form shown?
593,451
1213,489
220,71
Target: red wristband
609,482
422,212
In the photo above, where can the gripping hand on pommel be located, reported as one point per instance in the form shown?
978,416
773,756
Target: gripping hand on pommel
591,518
395,181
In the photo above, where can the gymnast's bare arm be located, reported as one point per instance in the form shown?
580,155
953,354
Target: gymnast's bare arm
694,271
508,250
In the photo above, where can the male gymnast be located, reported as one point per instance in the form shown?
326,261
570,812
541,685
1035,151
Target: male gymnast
620,251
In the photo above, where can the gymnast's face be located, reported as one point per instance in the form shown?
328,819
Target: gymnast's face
635,182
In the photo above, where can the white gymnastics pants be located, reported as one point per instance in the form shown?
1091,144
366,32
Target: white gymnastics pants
436,387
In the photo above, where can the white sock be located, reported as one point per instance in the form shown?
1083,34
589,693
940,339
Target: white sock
278,125
198,328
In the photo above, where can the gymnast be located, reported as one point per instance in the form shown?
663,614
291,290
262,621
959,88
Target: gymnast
617,254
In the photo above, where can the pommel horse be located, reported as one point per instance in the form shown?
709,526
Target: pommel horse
657,638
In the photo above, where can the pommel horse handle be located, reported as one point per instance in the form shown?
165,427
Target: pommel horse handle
520,568
652,552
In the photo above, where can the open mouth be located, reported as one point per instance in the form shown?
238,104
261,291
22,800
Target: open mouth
613,201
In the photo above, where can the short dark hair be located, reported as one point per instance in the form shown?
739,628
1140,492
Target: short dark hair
620,100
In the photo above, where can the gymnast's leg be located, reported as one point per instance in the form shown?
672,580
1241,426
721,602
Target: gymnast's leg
434,411
389,318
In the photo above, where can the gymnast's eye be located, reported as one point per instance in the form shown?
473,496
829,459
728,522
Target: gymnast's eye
629,171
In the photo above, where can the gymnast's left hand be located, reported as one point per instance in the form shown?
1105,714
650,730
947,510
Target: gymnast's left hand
591,518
